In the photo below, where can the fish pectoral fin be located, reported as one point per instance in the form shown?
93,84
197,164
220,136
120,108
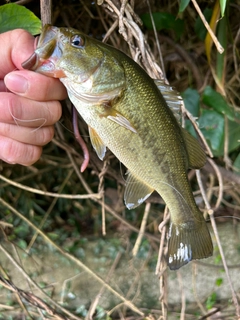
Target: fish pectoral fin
97,143
136,191
196,155
122,121
117,117
188,243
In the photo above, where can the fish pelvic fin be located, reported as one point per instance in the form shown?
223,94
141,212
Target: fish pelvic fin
97,143
188,242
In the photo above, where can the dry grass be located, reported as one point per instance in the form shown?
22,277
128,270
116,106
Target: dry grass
55,186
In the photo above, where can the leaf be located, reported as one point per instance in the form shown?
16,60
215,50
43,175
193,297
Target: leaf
213,25
236,164
221,57
211,124
211,300
219,282
13,16
163,20
191,100
199,27
183,5
215,100
233,136
223,6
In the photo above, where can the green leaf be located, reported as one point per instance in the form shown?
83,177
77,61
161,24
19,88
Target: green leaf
22,244
233,136
215,100
163,20
199,27
222,38
219,281
236,164
211,300
13,16
223,6
211,124
191,100
183,5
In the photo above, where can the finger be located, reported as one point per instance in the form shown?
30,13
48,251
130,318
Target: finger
28,113
12,151
35,86
38,137
2,86
16,47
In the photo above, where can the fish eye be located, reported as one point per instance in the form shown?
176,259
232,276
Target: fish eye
77,41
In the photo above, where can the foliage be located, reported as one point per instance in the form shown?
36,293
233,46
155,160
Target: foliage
163,20
212,120
13,16
184,3
211,301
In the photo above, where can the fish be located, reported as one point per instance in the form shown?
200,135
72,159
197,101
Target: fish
132,115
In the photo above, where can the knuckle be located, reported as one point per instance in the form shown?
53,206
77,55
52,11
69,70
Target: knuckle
16,152
46,135
11,151
5,129
58,111
54,111
14,108
33,154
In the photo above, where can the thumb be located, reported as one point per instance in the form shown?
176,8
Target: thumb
16,46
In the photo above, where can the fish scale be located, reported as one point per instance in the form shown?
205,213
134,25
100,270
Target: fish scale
126,111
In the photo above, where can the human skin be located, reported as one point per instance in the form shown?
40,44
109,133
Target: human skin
29,102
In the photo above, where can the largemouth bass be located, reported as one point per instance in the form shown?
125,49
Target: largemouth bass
127,113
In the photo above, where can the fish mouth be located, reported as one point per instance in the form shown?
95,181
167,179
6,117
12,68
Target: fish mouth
48,51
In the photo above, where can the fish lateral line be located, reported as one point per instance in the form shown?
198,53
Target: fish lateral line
121,84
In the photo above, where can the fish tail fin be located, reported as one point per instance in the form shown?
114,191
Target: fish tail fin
188,242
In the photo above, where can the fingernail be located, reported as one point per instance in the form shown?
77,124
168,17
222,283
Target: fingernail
16,83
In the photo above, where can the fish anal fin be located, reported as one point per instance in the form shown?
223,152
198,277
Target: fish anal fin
97,143
196,155
188,243
136,191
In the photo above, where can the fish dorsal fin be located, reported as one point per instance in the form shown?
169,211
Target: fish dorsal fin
196,155
97,143
136,191
172,97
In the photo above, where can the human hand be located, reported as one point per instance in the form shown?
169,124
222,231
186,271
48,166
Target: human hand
29,111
